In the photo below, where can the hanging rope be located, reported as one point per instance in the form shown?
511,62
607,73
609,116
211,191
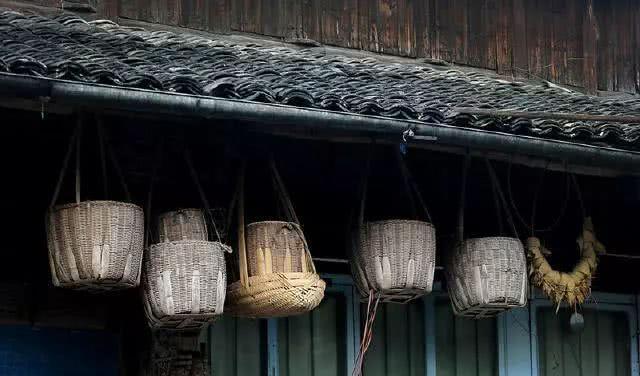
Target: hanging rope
367,333
530,225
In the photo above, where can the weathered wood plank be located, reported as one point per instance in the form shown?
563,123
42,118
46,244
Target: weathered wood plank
128,9
590,48
605,47
625,65
271,18
406,30
311,20
520,62
558,41
445,29
218,16
460,29
504,34
575,51
387,26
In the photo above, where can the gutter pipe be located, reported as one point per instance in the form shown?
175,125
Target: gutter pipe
104,97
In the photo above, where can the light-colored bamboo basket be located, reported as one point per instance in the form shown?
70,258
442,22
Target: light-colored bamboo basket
488,275
394,258
185,280
277,276
184,283
94,245
183,224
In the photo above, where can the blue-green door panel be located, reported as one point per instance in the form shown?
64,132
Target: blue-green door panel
464,347
314,344
601,349
398,341
238,347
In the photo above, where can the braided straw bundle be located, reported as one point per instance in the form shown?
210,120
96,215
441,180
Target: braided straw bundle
573,287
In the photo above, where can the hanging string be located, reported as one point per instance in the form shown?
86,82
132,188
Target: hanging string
203,197
65,164
497,205
78,142
574,179
157,161
367,333
531,225
463,191
103,159
412,187
502,199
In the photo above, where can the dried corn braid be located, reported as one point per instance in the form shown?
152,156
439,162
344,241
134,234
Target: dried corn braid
573,287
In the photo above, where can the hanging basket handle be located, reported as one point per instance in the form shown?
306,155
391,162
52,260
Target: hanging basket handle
242,246
203,197
411,188
74,145
499,198
282,193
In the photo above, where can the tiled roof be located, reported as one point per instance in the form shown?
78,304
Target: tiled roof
68,47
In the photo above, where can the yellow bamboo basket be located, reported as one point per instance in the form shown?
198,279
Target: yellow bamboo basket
277,276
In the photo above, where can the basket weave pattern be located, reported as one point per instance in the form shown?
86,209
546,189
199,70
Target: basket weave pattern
282,280
95,245
396,258
487,276
184,282
184,224
276,295
275,246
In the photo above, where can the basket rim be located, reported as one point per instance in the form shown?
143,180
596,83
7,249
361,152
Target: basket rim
271,222
95,202
180,210
368,223
492,237
186,241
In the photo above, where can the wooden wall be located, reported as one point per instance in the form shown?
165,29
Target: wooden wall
593,44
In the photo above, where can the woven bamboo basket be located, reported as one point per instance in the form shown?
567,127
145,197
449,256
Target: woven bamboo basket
488,275
277,275
95,245
183,224
394,258
184,283
184,280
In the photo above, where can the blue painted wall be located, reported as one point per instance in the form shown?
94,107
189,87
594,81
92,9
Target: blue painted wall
27,351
